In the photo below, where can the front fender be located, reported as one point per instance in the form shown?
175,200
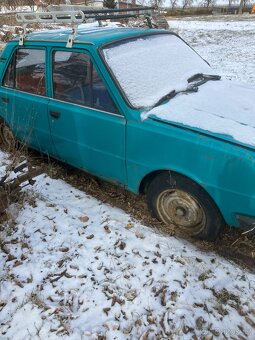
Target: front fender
226,171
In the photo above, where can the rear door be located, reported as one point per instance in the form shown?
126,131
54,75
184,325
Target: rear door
86,126
24,103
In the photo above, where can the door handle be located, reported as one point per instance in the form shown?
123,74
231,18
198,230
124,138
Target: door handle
5,100
55,114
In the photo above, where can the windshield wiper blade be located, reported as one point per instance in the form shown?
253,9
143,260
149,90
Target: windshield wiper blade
204,77
173,93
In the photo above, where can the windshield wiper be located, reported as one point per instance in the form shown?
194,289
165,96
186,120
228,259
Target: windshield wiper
173,93
191,88
203,78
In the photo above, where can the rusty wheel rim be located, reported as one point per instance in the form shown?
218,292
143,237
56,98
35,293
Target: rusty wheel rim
181,209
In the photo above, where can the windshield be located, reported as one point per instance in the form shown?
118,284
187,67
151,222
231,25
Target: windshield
149,67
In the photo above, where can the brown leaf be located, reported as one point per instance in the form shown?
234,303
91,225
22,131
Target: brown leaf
24,245
30,279
18,283
23,257
139,235
69,276
174,296
11,258
129,226
199,322
107,229
118,300
106,310
130,295
90,237
84,219
250,321
63,249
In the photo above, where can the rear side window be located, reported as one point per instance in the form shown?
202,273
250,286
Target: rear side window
76,80
26,71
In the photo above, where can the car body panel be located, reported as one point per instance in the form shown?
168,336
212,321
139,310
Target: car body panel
86,143
212,163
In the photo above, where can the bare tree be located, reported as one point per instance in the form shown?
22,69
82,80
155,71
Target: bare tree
242,5
156,3
186,3
173,3
208,3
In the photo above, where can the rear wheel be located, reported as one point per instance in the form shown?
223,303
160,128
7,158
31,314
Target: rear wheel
178,201
7,138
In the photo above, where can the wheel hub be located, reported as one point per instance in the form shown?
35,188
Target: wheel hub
181,209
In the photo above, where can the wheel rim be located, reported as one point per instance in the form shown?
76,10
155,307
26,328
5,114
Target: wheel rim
182,210
7,137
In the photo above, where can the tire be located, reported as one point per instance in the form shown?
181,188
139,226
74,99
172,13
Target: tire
7,138
176,200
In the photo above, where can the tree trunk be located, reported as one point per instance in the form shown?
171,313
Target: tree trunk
240,10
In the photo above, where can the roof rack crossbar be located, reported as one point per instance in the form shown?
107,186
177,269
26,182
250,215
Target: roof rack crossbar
114,17
76,17
119,10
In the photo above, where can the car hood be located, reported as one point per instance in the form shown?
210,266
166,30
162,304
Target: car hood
225,109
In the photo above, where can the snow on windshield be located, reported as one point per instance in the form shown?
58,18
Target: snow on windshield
150,67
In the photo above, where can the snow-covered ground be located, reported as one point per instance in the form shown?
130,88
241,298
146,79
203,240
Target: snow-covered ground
76,268
227,43
73,267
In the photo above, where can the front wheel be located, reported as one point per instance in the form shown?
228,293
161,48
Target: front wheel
180,202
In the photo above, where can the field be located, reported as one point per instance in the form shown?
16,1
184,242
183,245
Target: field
73,265
227,43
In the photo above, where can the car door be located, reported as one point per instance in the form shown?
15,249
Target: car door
24,103
86,126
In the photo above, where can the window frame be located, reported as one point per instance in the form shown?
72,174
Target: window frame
93,64
14,55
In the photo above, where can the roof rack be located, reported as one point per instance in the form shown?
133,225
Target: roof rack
81,16
74,18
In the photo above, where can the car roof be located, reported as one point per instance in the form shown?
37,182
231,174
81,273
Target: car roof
90,34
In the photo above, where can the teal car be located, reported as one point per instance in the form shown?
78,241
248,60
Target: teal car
139,108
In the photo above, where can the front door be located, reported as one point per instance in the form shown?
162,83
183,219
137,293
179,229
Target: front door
86,126
23,101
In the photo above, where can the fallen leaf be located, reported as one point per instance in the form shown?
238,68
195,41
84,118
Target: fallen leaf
140,235
63,249
84,219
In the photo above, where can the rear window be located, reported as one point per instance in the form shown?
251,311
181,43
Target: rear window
26,71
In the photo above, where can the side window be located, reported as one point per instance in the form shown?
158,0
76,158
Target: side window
71,77
77,81
26,71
